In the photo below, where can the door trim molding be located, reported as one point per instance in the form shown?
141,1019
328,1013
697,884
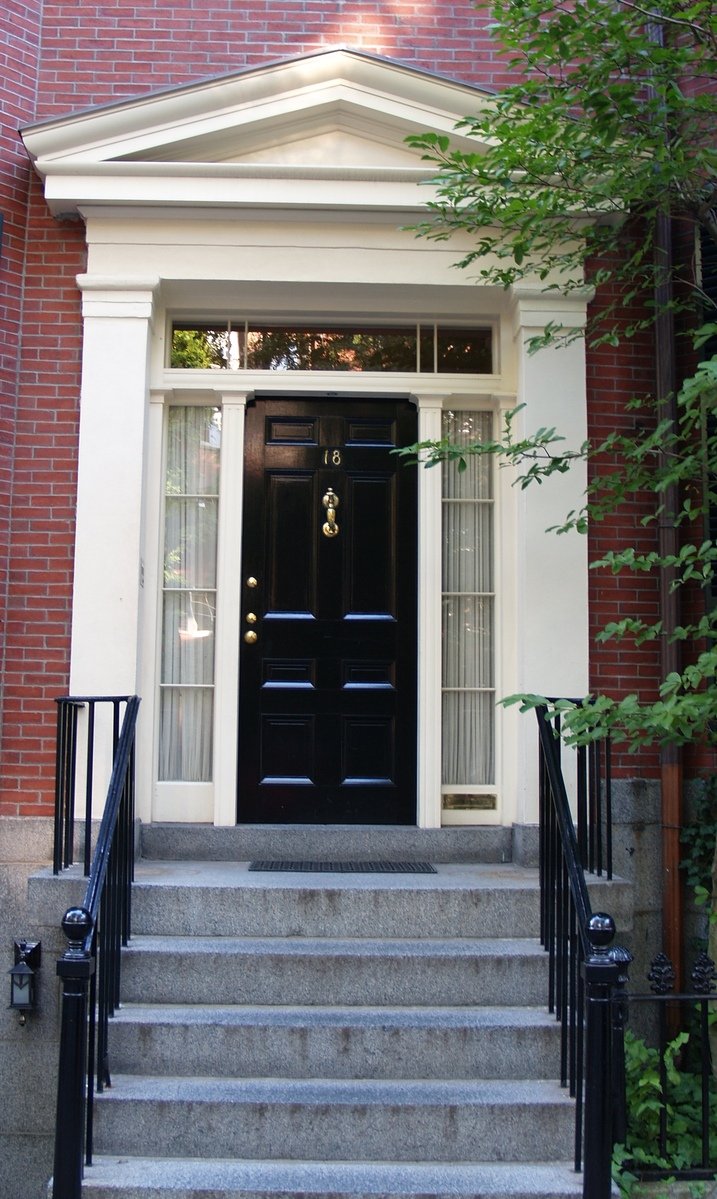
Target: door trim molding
226,677
430,409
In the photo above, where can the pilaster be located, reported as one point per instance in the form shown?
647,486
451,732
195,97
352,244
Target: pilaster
551,570
113,403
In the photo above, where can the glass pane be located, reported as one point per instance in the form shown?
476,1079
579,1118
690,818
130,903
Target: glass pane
467,546
193,443
201,347
189,599
349,348
190,543
188,638
467,642
468,615
468,746
185,735
428,352
476,481
465,351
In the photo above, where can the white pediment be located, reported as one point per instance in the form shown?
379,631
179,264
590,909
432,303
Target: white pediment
334,116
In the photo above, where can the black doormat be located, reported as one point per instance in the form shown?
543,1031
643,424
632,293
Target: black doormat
346,867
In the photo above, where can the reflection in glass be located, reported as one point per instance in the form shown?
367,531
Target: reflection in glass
323,346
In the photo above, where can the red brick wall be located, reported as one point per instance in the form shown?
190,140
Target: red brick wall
615,376
19,47
91,54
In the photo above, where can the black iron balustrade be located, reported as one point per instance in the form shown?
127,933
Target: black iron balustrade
90,968
79,741
586,974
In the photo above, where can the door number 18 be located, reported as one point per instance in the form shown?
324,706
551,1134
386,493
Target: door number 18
332,458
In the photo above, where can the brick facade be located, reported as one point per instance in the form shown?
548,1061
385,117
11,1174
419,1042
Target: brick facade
83,54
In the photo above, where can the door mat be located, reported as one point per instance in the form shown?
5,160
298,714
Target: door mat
310,867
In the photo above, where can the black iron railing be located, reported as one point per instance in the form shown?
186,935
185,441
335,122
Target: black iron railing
585,974
587,990
90,967
81,722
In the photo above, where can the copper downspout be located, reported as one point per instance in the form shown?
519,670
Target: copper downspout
668,544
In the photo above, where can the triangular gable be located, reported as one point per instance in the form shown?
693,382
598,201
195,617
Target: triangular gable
337,115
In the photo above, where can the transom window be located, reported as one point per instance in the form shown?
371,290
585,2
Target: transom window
257,346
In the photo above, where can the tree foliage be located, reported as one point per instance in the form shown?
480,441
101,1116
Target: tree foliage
612,113
611,121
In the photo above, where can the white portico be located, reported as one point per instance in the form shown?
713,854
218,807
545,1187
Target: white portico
276,197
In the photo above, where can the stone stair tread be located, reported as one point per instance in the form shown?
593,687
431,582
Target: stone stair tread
448,876
333,1016
380,947
172,1178
416,1092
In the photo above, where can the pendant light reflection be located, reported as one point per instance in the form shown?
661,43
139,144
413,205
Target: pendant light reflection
192,631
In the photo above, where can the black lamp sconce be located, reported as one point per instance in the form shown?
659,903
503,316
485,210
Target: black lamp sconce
23,977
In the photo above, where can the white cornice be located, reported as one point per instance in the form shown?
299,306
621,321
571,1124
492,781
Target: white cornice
248,96
331,126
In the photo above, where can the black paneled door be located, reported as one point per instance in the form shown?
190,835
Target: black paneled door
327,725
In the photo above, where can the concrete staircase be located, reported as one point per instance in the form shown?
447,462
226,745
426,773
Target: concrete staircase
296,1034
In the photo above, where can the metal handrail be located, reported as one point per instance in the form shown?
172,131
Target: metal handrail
90,967
584,974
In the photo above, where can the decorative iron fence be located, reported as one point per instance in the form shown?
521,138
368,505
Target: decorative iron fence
90,967
587,990
666,1113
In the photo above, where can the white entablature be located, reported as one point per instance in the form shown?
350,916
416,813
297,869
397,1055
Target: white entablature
323,123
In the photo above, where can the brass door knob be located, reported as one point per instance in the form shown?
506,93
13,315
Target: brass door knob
250,637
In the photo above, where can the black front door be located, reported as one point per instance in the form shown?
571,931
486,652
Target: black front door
327,726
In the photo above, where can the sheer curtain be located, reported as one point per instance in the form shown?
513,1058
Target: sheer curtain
189,594
468,608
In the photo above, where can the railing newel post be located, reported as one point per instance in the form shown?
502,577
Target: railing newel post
602,973
75,968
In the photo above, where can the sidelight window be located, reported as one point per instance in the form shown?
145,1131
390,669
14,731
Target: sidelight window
468,616
189,594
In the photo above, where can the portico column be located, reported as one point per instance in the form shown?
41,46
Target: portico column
108,546
551,570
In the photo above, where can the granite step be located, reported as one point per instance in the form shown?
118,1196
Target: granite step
320,970
228,899
330,1119
155,1178
338,1042
243,842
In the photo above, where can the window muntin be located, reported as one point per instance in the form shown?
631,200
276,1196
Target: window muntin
189,594
468,673
426,347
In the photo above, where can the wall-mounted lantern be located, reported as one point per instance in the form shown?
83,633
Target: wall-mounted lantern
23,980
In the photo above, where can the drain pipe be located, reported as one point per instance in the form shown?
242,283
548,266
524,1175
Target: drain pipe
668,544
